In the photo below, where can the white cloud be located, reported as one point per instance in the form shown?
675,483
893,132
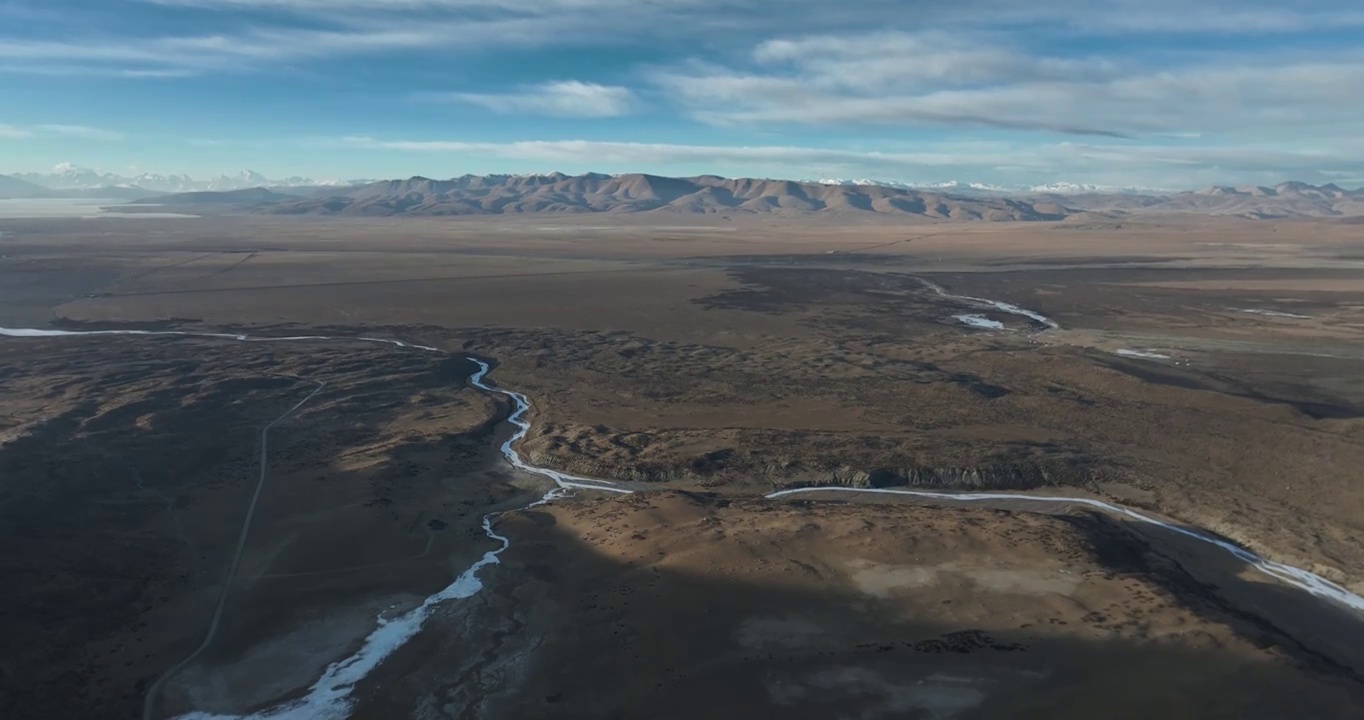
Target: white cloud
79,131
1227,76
58,130
87,71
1181,18
257,33
379,5
629,152
345,28
881,60
569,98
904,79
1166,16
179,56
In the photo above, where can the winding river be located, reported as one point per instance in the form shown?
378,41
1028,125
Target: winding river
330,697
987,304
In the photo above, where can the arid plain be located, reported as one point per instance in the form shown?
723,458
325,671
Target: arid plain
1208,371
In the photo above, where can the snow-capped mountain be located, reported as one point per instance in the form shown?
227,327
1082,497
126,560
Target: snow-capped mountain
949,185
959,186
862,182
1069,188
978,188
72,177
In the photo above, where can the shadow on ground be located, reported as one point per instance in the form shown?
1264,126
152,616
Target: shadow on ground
685,605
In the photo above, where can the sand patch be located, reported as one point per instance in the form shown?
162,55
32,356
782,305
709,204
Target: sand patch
886,581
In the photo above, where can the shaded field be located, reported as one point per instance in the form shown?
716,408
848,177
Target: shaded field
813,609
127,464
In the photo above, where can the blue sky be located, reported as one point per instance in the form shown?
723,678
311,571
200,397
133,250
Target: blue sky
1153,93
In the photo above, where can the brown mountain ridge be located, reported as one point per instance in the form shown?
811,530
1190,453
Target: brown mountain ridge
710,194
633,193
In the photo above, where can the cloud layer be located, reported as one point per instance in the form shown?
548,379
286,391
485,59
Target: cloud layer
566,98
57,130
1222,90
900,79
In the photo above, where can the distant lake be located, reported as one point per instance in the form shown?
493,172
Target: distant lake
76,208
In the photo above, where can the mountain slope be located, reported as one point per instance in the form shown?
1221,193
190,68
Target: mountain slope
251,196
14,188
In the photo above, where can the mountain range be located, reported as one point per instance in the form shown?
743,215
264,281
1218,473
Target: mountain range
976,188
632,193
709,194
1285,200
67,177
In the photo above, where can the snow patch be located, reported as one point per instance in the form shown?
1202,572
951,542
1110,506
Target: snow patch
980,321
329,697
1003,307
1273,313
1147,354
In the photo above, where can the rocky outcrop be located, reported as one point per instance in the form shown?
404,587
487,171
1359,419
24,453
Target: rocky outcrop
631,472
991,476
1004,475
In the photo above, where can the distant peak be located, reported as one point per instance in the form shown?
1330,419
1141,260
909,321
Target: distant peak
69,176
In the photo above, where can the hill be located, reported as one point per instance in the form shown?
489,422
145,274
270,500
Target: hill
1289,199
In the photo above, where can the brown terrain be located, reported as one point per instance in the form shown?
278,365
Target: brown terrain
702,364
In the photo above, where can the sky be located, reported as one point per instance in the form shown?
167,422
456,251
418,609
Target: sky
1166,94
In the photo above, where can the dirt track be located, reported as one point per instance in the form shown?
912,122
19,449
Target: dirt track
153,695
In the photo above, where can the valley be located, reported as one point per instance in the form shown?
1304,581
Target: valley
1205,372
